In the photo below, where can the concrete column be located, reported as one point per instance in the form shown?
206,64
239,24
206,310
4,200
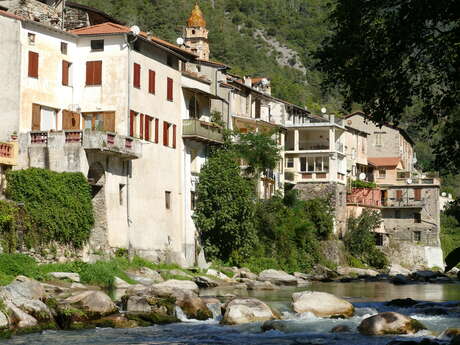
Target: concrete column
331,139
333,162
296,140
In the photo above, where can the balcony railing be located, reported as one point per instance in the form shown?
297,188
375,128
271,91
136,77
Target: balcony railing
202,131
8,153
403,203
365,197
312,146
107,142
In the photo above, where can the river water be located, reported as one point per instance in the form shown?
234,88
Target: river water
367,297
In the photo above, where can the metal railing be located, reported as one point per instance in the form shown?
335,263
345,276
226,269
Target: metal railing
193,128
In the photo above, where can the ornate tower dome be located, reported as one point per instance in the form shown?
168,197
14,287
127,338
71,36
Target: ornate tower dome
196,34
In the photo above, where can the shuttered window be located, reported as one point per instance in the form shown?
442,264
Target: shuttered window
137,76
165,133
65,72
147,127
36,117
151,81
399,195
132,123
157,129
141,123
417,194
33,64
70,120
93,73
174,136
170,90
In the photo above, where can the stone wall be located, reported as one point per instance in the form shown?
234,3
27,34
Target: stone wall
414,256
75,18
336,193
36,11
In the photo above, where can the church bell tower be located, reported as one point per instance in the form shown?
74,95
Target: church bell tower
196,34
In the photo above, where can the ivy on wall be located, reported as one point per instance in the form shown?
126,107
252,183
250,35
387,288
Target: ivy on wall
50,207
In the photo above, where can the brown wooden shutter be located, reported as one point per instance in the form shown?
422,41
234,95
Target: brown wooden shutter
89,73
65,73
132,117
151,81
148,119
157,125
109,121
165,133
141,123
137,75
170,90
33,64
399,195
417,194
174,136
70,120
97,72
36,117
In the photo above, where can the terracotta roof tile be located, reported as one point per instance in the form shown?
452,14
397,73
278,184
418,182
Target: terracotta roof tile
384,161
11,15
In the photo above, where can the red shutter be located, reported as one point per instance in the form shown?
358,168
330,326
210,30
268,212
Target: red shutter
132,117
137,75
157,125
89,73
399,195
141,132
33,65
65,73
151,81
148,119
174,136
417,194
165,133
97,72
170,90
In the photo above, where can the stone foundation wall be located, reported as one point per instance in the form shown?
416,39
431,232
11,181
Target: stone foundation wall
36,11
75,18
334,192
413,256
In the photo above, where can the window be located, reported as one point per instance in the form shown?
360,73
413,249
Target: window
137,76
417,217
93,73
174,136
378,239
33,65
121,188
141,126
398,214
66,72
157,129
151,81
378,138
258,108
382,173
166,126
97,45
148,120
102,121
399,195
168,200
31,39
192,200
48,119
314,164
417,194
63,48
290,162
194,108
70,120
169,95
417,236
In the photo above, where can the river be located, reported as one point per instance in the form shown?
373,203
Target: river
367,297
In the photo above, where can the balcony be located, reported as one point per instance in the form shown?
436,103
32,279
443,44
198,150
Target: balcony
367,197
8,153
403,203
106,142
202,131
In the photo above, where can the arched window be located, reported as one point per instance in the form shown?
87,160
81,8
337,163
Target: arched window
194,108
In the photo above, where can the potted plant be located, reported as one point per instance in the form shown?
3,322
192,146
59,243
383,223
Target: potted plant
14,136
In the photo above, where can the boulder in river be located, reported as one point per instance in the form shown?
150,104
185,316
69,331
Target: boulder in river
277,277
321,304
389,323
179,285
245,310
4,323
145,276
396,269
204,282
353,271
340,329
94,304
401,303
75,277
258,285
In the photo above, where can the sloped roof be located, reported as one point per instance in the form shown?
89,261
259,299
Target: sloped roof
196,19
384,161
92,9
11,15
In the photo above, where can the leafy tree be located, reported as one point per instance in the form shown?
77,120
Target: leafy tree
389,55
225,209
319,212
360,241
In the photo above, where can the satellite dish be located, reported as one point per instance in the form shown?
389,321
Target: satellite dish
180,41
135,30
444,194
265,82
409,181
362,176
323,110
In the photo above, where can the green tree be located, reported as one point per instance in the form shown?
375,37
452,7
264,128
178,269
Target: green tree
360,241
225,209
390,55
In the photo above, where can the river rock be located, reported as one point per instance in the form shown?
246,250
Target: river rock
4,323
145,276
19,317
219,275
23,287
300,275
277,277
396,269
302,282
205,282
455,340
450,333
347,271
402,303
258,285
149,309
400,279
245,310
321,304
424,275
75,277
277,325
94,303
179,273
340,329
178,284
322,273
119,283
389,323
246,273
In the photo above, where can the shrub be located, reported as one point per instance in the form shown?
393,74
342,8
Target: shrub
363,184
